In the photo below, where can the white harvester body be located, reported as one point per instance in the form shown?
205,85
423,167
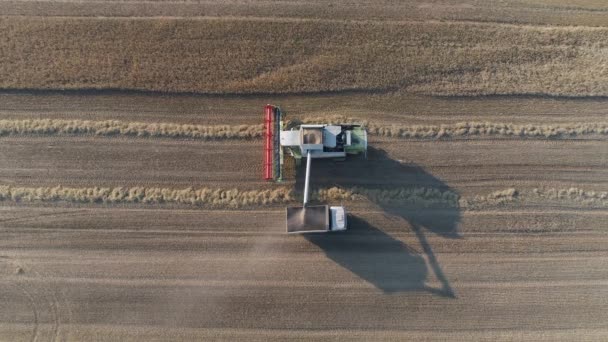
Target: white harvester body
324,141
319,141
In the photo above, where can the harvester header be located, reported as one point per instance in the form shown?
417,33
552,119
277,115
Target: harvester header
273,152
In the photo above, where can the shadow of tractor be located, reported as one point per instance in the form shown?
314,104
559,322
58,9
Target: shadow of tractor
367,251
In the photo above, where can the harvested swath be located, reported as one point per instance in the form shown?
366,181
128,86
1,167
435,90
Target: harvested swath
569,197
233,198
466,129
172,130
222,197
422,197
231,55
140,129
572,195
200,197
495,198
419,196
433,197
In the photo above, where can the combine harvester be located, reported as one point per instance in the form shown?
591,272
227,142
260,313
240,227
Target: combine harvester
309,141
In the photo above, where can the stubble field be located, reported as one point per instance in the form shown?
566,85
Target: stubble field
132,205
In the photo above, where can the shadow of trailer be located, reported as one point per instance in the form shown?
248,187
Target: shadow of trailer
368,251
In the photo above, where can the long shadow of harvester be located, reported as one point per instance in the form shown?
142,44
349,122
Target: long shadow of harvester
367,251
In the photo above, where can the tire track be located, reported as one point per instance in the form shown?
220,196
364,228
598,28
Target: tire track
30,298
53,303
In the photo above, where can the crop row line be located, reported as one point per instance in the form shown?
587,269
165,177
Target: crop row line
419,197
192,131
115,127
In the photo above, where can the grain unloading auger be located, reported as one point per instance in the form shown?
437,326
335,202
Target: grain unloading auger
334,141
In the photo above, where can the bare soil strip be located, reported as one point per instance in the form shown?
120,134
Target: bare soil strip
382,110
469,167
137,282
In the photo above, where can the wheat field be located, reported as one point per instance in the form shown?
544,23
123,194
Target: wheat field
133,205
253,55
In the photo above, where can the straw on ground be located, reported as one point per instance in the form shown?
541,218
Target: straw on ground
175,130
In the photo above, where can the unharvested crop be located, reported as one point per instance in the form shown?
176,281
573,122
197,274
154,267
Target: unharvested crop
249,55
550,12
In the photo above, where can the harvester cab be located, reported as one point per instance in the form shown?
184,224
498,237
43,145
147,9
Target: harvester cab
309,141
